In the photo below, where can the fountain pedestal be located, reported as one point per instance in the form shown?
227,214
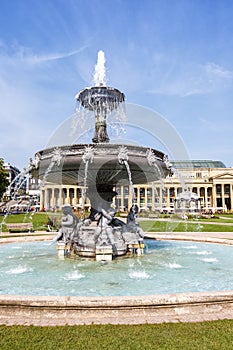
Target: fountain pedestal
61,249
100,133
103,253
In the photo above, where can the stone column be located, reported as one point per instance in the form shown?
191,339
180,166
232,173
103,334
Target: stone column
214,199
146,198
231,199
223,195
122,197
153,198
60,198
83,196
75,196
55,197
138,197
52,198
160,197
46,199
42,199
206,198
67,199
71,198
199,197
168,197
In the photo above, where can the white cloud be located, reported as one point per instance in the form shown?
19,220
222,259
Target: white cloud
35,59
18,53
214,70
194,80
215,126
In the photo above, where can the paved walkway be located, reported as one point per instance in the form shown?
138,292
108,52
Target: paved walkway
6,237
210,237
214,237
190,221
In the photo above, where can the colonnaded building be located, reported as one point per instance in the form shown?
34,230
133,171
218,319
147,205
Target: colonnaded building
200,185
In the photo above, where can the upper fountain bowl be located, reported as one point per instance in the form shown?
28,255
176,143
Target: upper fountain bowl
100,98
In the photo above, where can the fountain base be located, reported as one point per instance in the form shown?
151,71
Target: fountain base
106,246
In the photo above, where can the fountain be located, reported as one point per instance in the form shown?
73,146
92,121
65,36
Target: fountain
39,289
99,167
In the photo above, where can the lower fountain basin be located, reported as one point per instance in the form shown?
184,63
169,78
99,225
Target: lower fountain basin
22,272
167,267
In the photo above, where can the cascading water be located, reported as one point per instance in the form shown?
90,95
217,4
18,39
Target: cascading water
153,162
56,160
123,159
87,158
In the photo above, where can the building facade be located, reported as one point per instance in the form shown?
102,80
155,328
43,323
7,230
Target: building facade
17,183
200,185
33,186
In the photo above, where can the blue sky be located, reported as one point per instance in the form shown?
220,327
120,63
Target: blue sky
172,56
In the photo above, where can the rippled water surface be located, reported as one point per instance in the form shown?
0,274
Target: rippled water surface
167,267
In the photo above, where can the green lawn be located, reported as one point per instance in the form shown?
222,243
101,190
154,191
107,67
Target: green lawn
172,226
213,335
38,220
230,216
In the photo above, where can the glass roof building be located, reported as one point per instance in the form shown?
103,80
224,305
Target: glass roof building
193,164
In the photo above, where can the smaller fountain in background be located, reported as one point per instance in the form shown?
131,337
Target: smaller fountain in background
14,204
187,202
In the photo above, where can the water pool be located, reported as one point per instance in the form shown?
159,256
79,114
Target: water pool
167,267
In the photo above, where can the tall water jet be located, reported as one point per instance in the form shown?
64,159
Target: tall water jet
100,71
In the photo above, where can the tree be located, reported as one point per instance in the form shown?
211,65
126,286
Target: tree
4,181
